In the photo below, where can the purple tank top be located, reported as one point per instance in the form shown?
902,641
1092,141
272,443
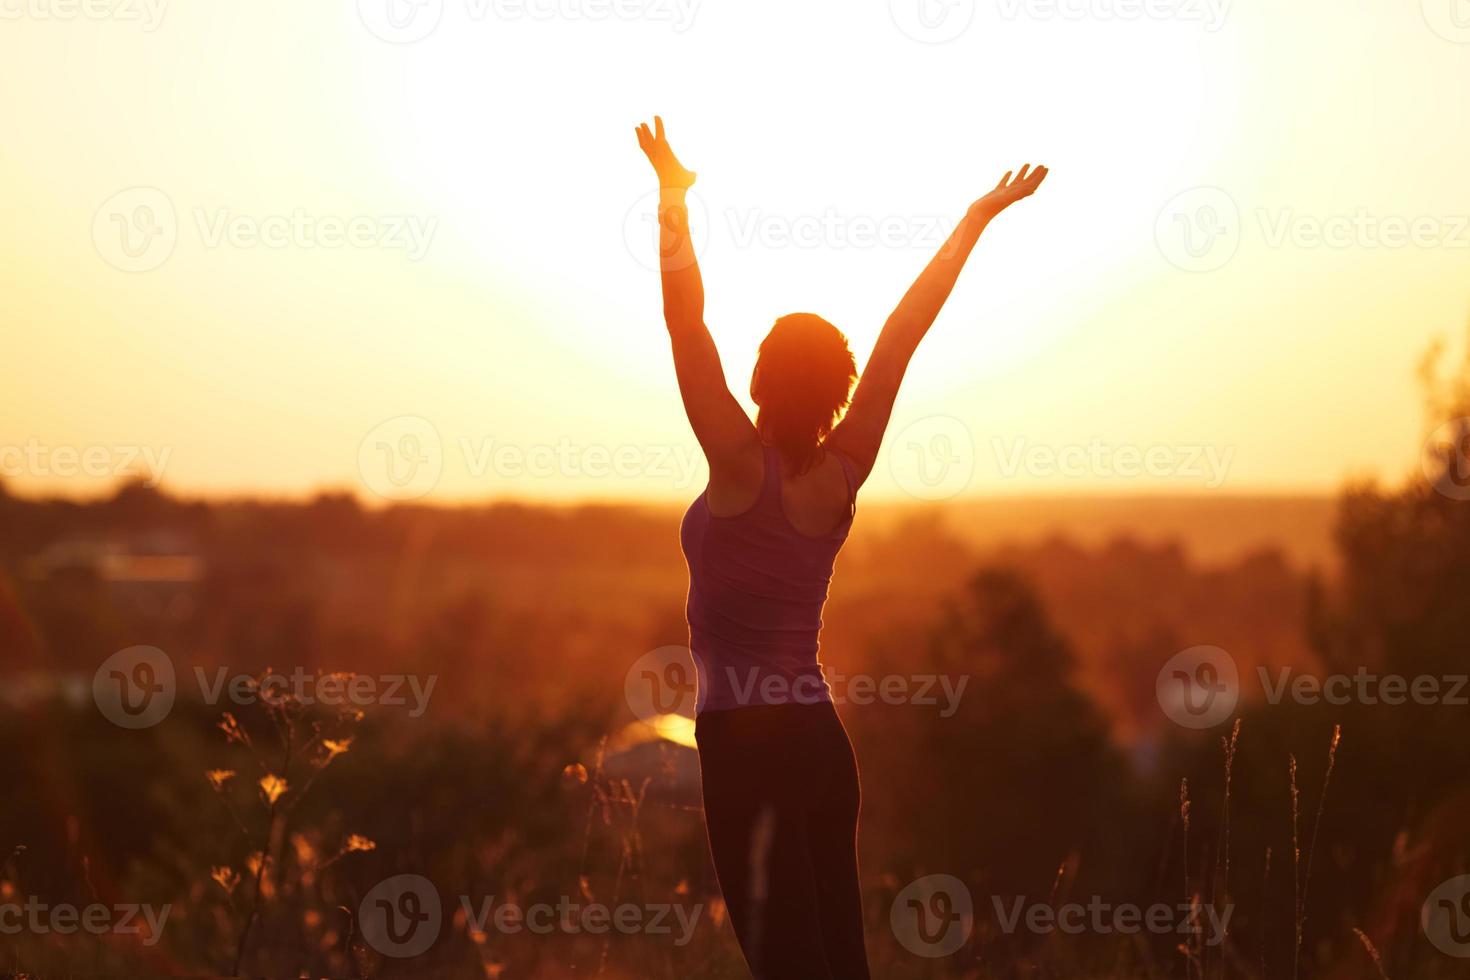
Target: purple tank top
757,586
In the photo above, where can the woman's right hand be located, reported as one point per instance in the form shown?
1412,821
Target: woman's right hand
671,173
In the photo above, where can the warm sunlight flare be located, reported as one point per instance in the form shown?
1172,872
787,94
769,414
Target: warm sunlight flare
452,237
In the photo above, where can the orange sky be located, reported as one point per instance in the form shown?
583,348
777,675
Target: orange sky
258,247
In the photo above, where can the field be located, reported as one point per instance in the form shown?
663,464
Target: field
1025,756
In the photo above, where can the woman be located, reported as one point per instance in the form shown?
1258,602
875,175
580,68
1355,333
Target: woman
780,782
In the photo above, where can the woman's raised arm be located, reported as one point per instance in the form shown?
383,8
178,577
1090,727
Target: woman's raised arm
723,429
860,434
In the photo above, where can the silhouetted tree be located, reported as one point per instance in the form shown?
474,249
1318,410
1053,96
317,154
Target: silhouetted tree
1021,776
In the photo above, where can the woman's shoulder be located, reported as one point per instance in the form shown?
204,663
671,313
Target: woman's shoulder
819,500
736,483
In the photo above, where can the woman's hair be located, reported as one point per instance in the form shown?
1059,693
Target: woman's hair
802,381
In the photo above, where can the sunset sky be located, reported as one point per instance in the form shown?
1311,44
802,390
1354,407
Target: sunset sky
363,249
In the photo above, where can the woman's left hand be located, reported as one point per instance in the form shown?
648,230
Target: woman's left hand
1009,191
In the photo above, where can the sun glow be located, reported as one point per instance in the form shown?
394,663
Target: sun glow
834,153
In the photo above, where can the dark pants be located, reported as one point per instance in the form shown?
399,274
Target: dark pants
781,806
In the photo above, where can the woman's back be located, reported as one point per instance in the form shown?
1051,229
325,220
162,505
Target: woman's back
758,582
